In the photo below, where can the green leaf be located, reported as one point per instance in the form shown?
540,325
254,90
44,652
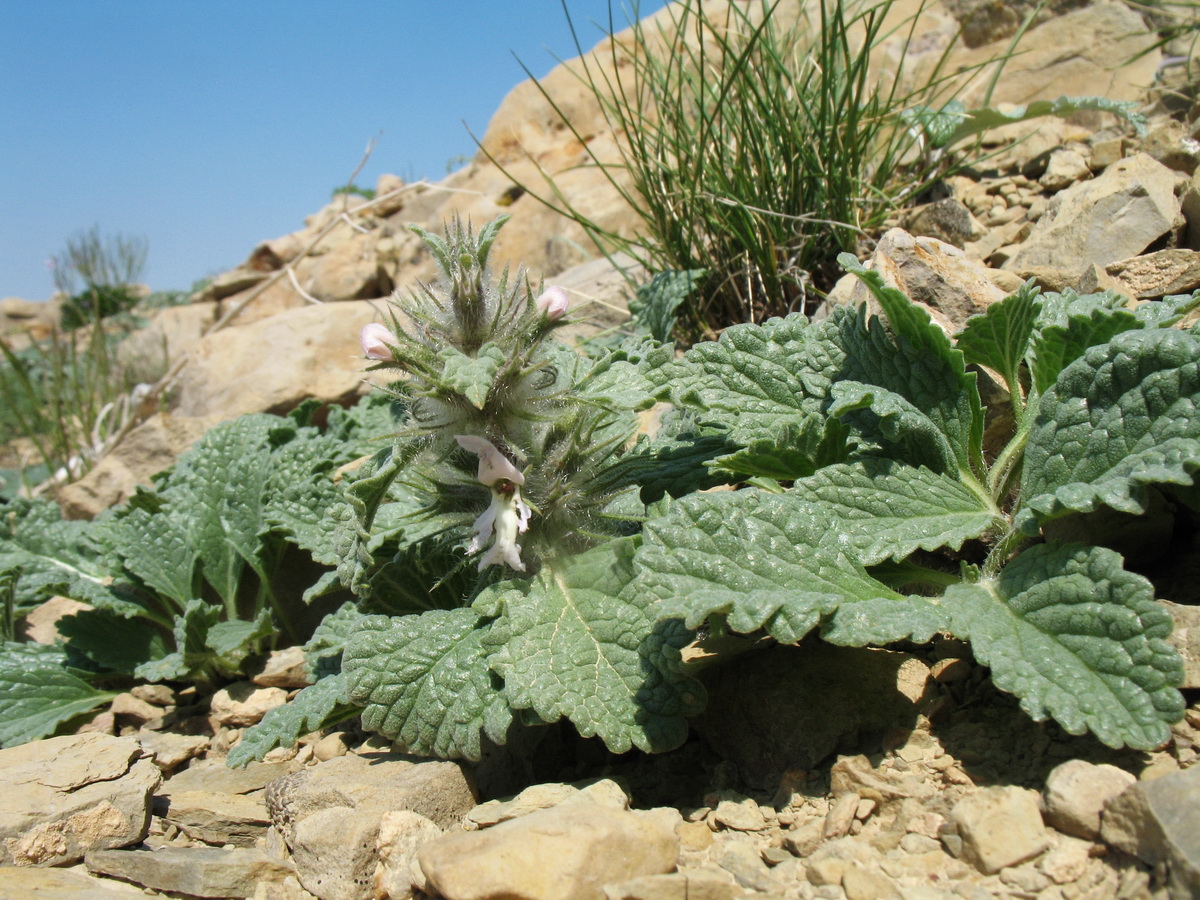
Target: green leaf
364,496
192,655
577,642
1000,337
756,378
471,376
762,560
424,682
887,510
153,548
654,307
1168,311
906,385
953,122
114,642
1121,417
1069,329
797,450
317,706
1078,639
38,692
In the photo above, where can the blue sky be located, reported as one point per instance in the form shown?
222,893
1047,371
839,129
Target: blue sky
210,125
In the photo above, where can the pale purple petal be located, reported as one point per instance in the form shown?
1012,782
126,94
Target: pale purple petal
553,302
377,341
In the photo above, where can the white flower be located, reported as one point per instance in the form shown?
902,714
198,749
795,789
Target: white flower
376,340
507,516
553,302
493,465
500,523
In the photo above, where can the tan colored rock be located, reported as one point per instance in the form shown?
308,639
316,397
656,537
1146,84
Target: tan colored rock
169,333
20,883
999,827
1185,637
401,835
244,703
192,871
569,851
1112,217
172,750
147,450
1076,792
274,364
40,624
285,668
1064,168
66,795
937,275
1158,274
701,884
216,818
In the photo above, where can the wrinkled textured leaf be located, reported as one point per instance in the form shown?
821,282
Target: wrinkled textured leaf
1077,638
756,378
317,706
762,560
797,450
1065,338
1120,418
38,692
887,510
906,385
472,376
577,642
153,548
999,338
424,681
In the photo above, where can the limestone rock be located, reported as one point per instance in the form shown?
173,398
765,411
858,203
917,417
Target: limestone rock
934,274
999,827
274,364
40,624
244,703
286,669
66,795
801,702
543,796
569,851
216,818
1159,821
20,883
401,835
947,220
1159,274
194,871
692,885
215,776
1064,168
148,449
1076,792
330,814
1185,637
171,750
1114,216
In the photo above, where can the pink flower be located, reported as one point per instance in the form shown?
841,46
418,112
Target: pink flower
376,341
553,302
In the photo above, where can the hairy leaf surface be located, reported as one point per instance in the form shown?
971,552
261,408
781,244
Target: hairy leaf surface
424,681
577,642
887,510
1077,638
1121,417
765,561
999,338
317,706
38,692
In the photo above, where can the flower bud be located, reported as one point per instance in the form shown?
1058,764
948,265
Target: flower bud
553,302
376,340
